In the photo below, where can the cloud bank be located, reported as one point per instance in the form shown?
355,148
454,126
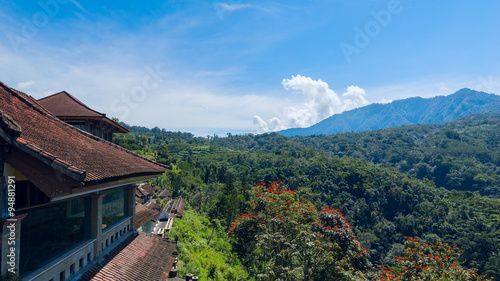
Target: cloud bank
320,102
26,84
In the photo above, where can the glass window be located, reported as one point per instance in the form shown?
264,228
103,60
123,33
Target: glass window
147,227
51,230
27,195
79,125
114,206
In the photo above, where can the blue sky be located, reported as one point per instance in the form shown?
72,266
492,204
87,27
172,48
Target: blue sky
246,66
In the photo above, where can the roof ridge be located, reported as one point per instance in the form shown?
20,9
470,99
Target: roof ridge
76,100
50,95
21,95
109,120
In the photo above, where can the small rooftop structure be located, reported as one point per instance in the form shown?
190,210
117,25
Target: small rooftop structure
74,112
175,207
144,193
146,189
153,206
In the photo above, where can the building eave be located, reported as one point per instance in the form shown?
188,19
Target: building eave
103,186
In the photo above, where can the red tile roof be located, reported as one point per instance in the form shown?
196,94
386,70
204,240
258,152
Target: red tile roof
76,153
9,125
180,209
141,257
153,206
138,197
145,189
175,207
63,105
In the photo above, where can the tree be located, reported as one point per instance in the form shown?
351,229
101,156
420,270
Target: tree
163,151
283,237
433,261
339,244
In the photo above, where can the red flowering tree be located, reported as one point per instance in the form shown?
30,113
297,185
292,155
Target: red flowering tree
426,262
342,249
432,262
282,236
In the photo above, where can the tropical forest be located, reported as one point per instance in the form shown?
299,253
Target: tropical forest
416,202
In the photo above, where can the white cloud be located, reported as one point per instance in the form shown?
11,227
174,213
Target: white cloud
320,102
354,97
26,84
221,8
76,3
183,100
234,7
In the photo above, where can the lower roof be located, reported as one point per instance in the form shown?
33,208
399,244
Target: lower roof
140,257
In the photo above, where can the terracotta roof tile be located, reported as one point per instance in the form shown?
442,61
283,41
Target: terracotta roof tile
9,125
62,144
153,206
175,207
138,193
139,200
146,189
180,209
64,104
141,257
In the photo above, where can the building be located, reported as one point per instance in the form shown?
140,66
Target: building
144,193
74,197
164,194
74,112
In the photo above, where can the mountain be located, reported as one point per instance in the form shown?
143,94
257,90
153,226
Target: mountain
409,111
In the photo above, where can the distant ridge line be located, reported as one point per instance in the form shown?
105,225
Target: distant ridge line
409,111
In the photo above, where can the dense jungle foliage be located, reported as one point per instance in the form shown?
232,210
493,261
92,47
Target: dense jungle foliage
434,182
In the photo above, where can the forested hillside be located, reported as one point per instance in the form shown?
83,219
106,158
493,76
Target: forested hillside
426,181
463,154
